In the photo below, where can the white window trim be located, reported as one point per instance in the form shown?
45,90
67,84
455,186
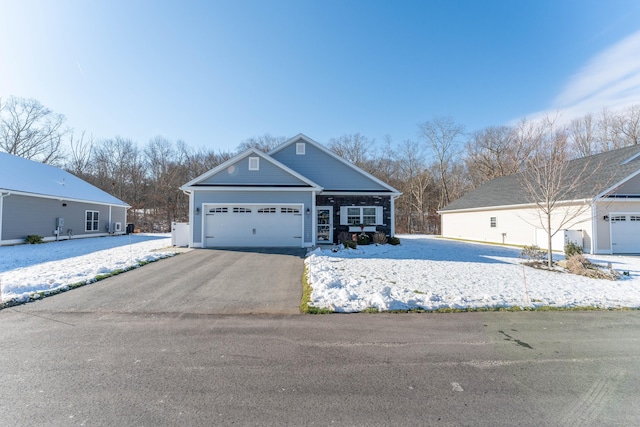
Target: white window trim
254,163
95,220
300,148
493,222
343,214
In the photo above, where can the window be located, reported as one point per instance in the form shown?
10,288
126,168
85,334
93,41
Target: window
356,215
254,163
619,218
290,210
91,220
219,210
241,210
267,210
493,221
634,218
300,148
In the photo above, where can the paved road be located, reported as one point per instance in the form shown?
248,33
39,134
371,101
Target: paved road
197,282
102,368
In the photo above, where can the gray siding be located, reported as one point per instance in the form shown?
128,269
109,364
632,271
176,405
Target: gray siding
239,174
23,215
629,188
253,197
325,170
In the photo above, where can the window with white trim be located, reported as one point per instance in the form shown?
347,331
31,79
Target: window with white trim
254,163
356,215
267,210
634,217
618,218
241,210
92,220
493,222
219,210
300,148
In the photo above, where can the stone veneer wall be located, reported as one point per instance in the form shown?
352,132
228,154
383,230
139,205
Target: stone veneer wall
338,201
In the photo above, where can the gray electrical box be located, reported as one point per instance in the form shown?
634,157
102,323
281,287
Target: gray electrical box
59,222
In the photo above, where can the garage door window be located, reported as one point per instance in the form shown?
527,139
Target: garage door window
219,210
618,218
290,210
634,218
267,210
241,210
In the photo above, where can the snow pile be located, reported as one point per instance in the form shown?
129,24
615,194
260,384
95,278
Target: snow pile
52,267
431,273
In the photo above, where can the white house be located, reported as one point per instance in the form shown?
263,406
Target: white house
606,206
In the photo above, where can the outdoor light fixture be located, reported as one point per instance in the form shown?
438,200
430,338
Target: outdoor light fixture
197,211
606,217
308,211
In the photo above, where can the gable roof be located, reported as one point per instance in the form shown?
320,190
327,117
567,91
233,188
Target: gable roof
288,177
353,168
613,168
20,175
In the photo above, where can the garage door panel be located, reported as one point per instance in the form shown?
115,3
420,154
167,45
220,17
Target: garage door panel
255,225
625,233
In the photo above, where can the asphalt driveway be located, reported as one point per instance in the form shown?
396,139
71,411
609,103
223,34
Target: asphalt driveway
203,281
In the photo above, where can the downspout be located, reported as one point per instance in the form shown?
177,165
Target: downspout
393,214
314,220
594,227
2,196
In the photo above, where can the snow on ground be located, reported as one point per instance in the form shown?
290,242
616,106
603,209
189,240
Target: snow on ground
51,267
432,273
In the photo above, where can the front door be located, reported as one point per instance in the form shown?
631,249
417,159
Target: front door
325,224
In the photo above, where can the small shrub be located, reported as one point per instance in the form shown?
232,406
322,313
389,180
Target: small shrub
534,253
344,236
33,239
379,238
363,239
394,241
578,264
571,249
350,244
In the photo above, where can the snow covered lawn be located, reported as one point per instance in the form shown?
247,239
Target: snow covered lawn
52,267
431,273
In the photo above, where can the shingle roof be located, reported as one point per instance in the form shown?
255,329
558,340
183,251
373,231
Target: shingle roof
611,168
26,176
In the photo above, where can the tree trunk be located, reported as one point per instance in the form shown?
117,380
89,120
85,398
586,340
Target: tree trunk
549,253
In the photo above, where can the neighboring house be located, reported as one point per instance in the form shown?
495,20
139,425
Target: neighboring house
300,194
41,199
608,201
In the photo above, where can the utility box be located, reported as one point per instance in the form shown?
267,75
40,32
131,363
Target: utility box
59,222
561,238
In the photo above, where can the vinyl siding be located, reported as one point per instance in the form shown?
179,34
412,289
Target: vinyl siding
251,197
631,187
518,225
239,174
326,171
23,215
603,227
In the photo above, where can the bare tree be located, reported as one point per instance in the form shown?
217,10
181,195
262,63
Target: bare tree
442,136
551,181
628,125
352,147
582,136
80,152
30,130
264,143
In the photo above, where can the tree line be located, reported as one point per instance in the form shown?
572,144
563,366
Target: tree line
441,164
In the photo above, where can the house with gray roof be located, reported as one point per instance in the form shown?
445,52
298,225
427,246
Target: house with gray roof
605,204
300,194
41,199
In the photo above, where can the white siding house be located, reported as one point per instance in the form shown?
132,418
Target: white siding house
605,209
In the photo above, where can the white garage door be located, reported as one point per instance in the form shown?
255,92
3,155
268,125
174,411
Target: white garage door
253,225
625,233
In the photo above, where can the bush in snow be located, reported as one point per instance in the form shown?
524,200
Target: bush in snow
533,253
571,249
394,241
33,239
578,264
379,238
363,239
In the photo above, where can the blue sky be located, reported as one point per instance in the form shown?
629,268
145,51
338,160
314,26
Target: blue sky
214,73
